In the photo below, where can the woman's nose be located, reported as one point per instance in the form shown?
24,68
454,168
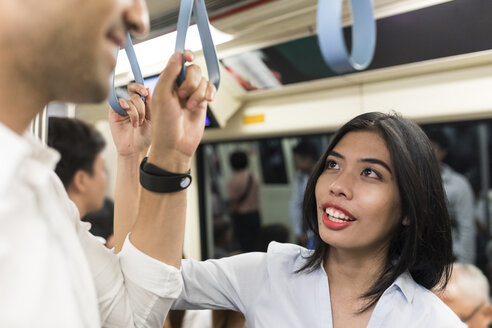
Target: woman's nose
342,186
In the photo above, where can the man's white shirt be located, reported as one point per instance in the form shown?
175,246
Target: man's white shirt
53,272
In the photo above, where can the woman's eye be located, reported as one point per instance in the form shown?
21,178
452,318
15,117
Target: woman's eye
330,164
370,173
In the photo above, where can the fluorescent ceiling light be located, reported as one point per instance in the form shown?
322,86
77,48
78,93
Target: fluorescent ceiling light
158,50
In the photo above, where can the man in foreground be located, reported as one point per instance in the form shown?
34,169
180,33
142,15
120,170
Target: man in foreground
53,272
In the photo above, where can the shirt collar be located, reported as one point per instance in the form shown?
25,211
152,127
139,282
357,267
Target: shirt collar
41,152
15,148
301,259
406,285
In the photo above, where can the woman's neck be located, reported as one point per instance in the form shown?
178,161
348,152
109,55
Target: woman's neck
354,271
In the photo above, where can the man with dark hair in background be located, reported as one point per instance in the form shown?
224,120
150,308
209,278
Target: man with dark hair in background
81,166
305,157
82,170
459,194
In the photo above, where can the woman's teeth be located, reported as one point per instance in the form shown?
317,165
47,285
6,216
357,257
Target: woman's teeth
337,216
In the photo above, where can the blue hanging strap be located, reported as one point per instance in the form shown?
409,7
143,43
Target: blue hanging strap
331,39
201,17
202,22
137,74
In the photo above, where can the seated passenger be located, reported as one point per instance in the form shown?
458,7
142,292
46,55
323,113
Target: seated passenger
467,294
376,205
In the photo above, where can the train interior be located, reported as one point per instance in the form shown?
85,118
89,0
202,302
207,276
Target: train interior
432,64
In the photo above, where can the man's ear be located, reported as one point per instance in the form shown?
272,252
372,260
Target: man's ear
405,221
79,181
487,311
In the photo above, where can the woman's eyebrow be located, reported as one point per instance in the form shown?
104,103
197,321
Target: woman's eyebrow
334,153
364,160
376,161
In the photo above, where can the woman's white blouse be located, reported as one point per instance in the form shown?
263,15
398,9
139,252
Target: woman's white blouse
266,289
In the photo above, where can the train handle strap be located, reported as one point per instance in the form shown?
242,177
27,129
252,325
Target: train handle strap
137,74
202,22
331,39
201,17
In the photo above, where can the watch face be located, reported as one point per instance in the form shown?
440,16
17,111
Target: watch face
185,182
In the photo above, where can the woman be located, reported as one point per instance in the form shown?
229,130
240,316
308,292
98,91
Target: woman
376,204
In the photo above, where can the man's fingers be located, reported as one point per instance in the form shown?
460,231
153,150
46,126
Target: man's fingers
192,82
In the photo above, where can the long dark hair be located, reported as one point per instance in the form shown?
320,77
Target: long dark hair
424,246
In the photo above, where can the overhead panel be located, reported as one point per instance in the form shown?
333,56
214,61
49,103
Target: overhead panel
449,29
164,14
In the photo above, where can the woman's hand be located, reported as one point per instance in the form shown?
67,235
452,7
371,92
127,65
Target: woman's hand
132,133
178,115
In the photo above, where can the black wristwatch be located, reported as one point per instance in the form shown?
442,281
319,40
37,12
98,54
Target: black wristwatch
158,180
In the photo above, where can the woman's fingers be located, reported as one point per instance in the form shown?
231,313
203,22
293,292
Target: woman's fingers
191,83
198,97
136,88
131,110
137,101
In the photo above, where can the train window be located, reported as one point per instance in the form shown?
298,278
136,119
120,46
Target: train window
271,163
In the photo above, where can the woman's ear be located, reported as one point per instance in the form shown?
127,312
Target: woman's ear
405,221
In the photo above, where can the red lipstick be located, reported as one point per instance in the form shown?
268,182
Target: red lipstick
336,225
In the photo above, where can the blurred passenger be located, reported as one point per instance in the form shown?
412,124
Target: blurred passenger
382,239
467,294
305,158
228,319
459,194
222,239
102,222
482,260
82,170
243,196
272,232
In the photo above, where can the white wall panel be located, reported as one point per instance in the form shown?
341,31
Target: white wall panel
464,93
295,114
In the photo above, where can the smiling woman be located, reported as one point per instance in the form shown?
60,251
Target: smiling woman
382,169
376,205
